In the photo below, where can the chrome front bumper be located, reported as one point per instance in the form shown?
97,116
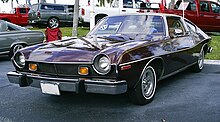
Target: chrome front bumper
103,86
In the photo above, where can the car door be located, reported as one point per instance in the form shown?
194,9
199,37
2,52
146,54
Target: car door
215,20
208,19
23,16
181,42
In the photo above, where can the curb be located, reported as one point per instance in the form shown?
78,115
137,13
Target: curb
216,62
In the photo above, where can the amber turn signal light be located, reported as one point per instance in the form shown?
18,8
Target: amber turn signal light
32,67
83,70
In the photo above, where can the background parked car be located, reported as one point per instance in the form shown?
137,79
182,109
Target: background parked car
17,16
14,37
204,13
48,13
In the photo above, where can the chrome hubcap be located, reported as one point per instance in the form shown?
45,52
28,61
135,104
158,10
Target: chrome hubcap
148,84
201,60
53,23
16,48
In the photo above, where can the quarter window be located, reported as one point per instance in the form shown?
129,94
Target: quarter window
204,6
215,7
191,26
174,24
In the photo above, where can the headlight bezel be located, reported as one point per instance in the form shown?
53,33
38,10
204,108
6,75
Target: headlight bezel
100,60
19,60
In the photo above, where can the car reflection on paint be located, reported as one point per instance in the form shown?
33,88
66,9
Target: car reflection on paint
125,53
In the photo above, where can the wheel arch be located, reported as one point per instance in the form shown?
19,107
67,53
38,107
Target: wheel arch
11,53
19,42
158,65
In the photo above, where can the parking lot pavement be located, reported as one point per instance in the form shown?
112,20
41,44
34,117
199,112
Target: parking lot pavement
185,97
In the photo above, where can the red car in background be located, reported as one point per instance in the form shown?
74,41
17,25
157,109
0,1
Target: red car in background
204,13
17,16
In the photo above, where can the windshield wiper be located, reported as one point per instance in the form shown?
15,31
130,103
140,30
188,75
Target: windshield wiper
118,37
95,44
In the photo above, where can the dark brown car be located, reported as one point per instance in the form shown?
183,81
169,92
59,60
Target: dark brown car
126,53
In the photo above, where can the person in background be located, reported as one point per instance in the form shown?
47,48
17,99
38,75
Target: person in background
53,33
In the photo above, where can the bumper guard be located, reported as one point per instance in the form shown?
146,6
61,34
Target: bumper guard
103,86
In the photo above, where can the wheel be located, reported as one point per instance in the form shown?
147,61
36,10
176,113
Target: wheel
14,49
200,62
146,87
53,23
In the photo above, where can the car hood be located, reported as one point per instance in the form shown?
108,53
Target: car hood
82,49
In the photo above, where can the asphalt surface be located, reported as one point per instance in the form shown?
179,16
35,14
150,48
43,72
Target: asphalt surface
185,97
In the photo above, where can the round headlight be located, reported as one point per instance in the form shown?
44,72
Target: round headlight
19,60
102,64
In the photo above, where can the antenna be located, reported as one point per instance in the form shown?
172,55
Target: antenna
183,9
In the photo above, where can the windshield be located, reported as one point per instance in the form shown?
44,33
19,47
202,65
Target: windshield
130,24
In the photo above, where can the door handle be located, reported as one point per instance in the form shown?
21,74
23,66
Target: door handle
123,10
202,15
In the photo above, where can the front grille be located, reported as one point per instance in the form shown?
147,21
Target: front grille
67,69
46,68
71,70
57,69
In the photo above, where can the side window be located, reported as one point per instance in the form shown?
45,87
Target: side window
127,4
191,6
11,28
215,7
3,26
34,8
70,8
204,6
22,11
46,7
186,5
60,8
175,26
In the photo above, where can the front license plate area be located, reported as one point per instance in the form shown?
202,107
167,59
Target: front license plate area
50,88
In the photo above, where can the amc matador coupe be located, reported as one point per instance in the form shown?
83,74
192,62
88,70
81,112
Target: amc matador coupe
125,53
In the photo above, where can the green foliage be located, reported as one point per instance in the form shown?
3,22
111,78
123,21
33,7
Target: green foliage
67,31
215,54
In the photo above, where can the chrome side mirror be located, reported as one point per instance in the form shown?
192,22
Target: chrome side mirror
178,32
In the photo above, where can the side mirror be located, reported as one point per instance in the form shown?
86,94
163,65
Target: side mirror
175,32
178,32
